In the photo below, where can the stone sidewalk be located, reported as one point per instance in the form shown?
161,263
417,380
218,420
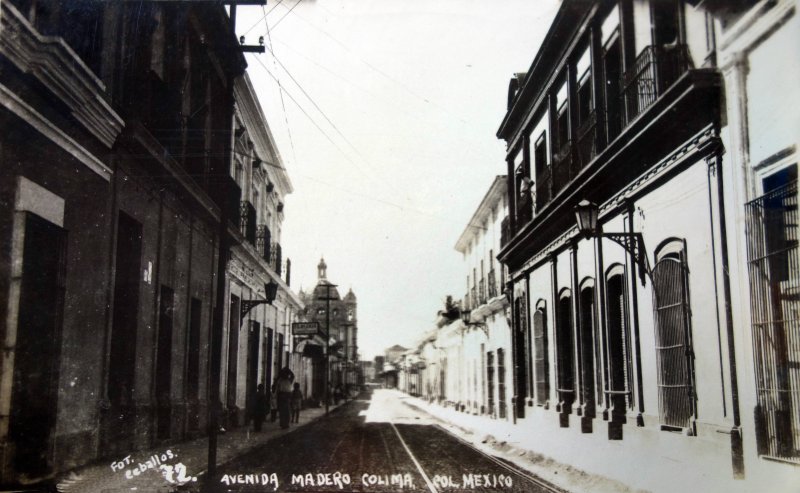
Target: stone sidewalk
144,472
501,438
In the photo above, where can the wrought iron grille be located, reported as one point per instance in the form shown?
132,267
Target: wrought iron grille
505,232
562,167
774,266
544,187
501,383
586,147
263,241
247,221
674,354
491,282
653,72
490,382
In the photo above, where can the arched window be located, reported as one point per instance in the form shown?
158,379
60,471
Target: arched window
618,351
565,353
673,337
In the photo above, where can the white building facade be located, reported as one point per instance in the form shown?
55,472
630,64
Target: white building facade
257,340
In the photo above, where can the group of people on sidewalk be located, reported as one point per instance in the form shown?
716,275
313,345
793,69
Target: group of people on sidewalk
284,401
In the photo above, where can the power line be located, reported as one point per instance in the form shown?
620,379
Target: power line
287,13
312,120
280,88
352,146
374,68
263,17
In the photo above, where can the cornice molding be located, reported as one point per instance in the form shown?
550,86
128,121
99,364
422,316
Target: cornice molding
60,69
13,103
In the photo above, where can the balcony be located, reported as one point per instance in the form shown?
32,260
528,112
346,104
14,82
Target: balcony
653,72
505,231
586,141
275,257
544,187
247,221
263,241
491,283
563,169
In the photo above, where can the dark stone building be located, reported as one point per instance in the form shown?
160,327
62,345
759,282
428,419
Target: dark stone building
114,152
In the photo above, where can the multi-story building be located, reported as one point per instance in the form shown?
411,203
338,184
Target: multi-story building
116,121
758,173
624,347
258,338
487,353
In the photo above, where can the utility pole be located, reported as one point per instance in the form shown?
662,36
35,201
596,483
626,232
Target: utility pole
327,300
218,322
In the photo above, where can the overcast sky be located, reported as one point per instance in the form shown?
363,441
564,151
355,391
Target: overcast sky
387,129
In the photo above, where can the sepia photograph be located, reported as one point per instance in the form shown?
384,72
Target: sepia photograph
421,246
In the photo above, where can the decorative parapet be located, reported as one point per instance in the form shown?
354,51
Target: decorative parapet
53,63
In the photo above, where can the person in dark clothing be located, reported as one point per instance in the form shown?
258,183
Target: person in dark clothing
297,402
285,381
273,402
260,407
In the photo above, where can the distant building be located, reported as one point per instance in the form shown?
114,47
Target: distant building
341,326
486,373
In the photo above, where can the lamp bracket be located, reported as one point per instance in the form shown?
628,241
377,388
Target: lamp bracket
248,305
633,243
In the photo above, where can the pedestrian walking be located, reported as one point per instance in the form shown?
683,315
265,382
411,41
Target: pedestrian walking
273,402
260,407
297,403
285,381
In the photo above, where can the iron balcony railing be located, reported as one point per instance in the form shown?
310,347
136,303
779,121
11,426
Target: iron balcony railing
263,241
524,212
586,142
562,168
275,257
505,231
544,187
773,255
247,221
653,72
491,282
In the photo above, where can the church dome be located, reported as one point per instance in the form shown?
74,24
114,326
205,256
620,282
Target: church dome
322,291
350,296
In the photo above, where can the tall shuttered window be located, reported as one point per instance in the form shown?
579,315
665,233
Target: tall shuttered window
774,265
618,371
673,337
541,370
490,382
501,382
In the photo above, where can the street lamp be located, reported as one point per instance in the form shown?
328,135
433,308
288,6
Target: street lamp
586,215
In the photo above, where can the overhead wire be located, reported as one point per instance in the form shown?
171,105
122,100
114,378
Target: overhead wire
280,89
372,67
314,103
312,120
264,16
